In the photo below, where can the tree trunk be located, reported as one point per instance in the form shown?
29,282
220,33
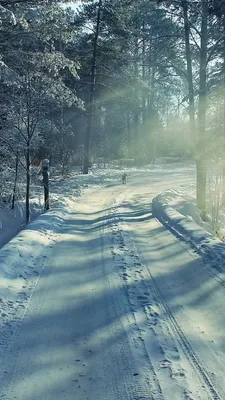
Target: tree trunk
201,183
136,99
151,106
129,138
90,106
143,78
223,171
28,182
189,71
15,181
201,140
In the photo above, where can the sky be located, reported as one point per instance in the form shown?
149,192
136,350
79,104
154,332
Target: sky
73,5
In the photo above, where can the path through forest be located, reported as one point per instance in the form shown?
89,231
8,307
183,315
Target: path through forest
122,310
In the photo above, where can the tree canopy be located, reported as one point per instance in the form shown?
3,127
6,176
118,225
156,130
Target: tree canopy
113,79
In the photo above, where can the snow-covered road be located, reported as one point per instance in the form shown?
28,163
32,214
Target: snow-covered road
122,310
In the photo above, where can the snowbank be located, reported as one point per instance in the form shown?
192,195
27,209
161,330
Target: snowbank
24,257
21,263
178,212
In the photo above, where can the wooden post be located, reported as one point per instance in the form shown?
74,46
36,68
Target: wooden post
45,167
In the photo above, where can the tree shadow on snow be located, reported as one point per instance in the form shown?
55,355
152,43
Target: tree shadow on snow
60,343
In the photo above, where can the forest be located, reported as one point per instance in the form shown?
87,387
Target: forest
128,80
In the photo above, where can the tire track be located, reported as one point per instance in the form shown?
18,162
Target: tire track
183,341
144,385
185,344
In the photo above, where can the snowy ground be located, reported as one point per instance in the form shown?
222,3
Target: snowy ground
99,300
177,209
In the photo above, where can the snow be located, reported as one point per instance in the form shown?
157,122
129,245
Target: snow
99,300
177,209
23,259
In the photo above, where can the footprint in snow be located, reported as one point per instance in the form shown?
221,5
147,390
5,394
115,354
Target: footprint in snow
165,363
178,374
175,355
142,298
154,314
154,322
